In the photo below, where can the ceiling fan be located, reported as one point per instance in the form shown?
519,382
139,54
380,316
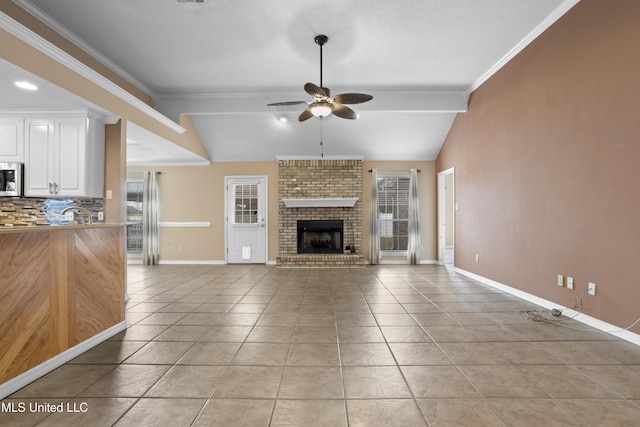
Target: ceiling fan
323,103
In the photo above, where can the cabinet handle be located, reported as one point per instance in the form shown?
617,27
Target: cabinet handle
50,188
55,188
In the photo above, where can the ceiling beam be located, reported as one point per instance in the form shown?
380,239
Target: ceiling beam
404,101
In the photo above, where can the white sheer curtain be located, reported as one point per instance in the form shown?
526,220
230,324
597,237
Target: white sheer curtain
413,249
374,226
150,220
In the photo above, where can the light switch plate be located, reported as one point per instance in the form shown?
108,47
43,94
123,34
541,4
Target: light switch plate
569,282
560,280
100,216
591,289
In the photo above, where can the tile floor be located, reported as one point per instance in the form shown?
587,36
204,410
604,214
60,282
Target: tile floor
376,346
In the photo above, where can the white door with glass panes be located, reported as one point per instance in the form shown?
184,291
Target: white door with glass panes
246,220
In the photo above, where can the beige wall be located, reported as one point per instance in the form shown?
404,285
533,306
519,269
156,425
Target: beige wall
427,199
196,194
546,163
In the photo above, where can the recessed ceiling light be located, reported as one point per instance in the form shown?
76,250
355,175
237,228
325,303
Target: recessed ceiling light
283,119
26,85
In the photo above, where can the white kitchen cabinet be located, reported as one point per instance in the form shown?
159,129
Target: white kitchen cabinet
11,139
64,157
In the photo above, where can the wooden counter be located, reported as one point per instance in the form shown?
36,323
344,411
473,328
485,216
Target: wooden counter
59,286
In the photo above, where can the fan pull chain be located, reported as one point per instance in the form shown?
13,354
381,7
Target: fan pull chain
321,134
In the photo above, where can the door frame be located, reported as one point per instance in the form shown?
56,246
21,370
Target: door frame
266,213
442,214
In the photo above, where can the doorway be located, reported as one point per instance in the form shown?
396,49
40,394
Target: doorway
246,215
446,217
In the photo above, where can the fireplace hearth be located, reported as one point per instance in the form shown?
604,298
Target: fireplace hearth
320,236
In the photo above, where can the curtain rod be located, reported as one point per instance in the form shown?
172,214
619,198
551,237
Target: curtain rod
398,170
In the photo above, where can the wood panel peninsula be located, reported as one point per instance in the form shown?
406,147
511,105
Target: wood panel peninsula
62,291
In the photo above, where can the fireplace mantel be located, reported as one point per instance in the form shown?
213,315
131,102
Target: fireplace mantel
320,203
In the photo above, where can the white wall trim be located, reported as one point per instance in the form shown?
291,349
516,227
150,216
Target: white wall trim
44,368
192,262
441,208
179,163
318,157
562,8
184,224
272,262
580,317
428,261
41,44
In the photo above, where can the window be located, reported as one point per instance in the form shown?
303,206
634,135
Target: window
393,212
134,216
246,210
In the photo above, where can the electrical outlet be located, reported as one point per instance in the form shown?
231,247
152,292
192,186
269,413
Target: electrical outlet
560,280
69,215
569,282
591,289
101,216
109,195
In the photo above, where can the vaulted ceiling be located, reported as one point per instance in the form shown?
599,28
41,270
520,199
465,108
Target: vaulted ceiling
222,61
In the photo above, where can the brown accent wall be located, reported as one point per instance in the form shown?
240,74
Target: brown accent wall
546,165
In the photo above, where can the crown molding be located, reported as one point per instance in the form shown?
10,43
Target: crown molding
44,46
563,8
64,32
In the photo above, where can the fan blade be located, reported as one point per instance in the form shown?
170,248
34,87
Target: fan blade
306,115
315,91
343,112
352,98
277,104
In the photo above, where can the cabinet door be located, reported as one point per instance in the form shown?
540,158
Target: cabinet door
39,169
11,140
71,157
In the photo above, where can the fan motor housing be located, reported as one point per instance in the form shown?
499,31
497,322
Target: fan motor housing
321,39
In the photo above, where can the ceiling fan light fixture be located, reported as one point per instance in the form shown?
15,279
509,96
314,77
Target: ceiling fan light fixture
321,108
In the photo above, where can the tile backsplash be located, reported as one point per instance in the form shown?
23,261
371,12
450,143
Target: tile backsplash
28,212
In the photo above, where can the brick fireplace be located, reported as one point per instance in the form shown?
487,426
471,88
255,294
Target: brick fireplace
315,191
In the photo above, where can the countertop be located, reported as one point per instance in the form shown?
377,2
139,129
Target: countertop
36,228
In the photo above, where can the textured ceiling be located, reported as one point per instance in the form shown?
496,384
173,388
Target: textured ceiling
222,61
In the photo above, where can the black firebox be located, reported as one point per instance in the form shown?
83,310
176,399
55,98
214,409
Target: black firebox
320,236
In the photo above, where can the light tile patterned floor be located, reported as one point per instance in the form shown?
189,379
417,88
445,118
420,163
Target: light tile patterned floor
376,346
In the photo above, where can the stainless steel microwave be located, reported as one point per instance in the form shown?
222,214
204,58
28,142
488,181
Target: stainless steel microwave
11,179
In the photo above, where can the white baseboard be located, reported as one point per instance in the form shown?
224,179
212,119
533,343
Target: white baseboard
44,368
429,261
580,317
192,261
272,262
